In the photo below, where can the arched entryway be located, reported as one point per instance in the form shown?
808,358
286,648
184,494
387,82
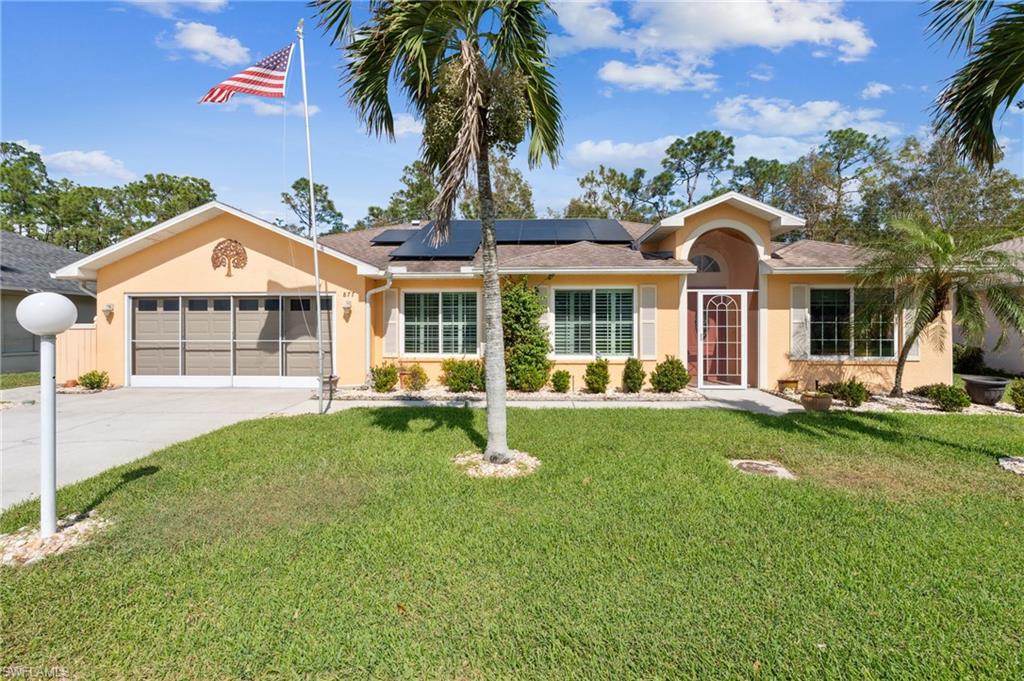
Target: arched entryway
722,303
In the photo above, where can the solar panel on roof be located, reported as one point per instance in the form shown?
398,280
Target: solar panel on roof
463,242
392,236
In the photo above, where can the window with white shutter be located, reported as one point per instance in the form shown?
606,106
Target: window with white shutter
390,323
799,336
648,322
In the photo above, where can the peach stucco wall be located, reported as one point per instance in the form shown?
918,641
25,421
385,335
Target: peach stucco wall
666,324
934,366
181,264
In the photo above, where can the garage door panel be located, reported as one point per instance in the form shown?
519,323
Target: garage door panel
257,359
207,359
300,359
156,319
156,358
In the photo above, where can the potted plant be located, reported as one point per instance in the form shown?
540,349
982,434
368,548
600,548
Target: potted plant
816,401
985,389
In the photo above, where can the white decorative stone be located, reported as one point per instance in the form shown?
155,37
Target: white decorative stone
475,466
1014,464
26,547
756,467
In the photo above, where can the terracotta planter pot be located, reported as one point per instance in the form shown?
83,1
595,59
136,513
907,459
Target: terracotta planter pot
813,402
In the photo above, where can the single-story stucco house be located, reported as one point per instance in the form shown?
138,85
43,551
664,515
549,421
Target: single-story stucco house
25,267
1009,357
216,297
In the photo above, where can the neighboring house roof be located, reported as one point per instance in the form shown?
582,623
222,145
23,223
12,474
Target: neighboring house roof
818,256
580,256
26,264
85,268
780,220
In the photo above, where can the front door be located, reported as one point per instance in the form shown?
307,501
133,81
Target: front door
722,339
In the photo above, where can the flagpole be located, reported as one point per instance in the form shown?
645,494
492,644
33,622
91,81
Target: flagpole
312,228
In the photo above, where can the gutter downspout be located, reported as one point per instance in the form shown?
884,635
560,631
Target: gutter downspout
369,320
83,289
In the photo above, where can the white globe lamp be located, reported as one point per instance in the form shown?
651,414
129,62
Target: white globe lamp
45,315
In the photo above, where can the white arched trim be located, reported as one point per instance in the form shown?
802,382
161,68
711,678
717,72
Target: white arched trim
725,223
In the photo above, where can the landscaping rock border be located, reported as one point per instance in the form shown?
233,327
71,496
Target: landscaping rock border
25,546
475,467
1014,464
908,404
443,395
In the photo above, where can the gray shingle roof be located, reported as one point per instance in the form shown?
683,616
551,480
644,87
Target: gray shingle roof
25,265
811,253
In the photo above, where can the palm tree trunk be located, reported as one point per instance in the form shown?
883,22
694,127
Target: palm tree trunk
494,354
901,363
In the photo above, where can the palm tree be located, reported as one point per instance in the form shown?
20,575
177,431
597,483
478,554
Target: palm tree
928,266
991,78
477,72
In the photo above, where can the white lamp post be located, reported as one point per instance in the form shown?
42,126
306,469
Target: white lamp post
45,315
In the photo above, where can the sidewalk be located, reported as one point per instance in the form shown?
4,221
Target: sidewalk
751,400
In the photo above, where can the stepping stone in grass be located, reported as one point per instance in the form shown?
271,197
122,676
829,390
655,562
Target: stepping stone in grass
1014,464
755,467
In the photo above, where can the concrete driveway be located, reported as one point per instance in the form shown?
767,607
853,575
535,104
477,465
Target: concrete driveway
98,431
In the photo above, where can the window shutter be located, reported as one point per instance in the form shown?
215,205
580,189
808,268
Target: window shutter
390,323
547,318
648,322
799,316
908,326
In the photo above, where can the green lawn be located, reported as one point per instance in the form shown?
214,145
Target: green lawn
19,380
348,546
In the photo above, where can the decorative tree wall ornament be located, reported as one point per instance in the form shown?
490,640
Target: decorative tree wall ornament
229,253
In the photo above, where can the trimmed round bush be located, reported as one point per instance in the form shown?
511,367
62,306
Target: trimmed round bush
950,397
670,376
416,377
633,375
852,392
1015,393
925,390
462,375
94,380
384,377
597,377
560,381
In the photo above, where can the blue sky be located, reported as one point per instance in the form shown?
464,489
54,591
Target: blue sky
107,90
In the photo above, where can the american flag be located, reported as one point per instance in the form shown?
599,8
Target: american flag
265,78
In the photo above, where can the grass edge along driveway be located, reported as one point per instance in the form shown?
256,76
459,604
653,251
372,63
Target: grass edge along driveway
348,545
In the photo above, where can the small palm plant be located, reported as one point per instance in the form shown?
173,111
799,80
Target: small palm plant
477,72
929,267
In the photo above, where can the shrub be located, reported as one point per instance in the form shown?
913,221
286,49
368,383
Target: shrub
384,377
526,342
925,390
94,380
1015,393
633,375
968,359
462,375
670,376
416,377
596,377
560,381
949,397
853,392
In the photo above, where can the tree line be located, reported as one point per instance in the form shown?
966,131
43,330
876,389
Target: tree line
85,218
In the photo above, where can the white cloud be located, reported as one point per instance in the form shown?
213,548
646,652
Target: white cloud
658,77
621,154
874,90
266,107
783,117
762,72
687,34
784,149
168,8
206,44
29,146
88,163
406,124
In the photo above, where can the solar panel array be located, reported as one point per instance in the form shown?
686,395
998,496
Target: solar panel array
393,237
464,236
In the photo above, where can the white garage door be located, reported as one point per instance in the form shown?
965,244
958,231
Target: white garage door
240,340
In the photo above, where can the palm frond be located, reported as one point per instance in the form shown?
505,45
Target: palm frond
970,314
958,19
988,83
1007,305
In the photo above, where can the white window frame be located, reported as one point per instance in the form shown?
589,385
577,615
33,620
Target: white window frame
593,322
853,312
440,324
